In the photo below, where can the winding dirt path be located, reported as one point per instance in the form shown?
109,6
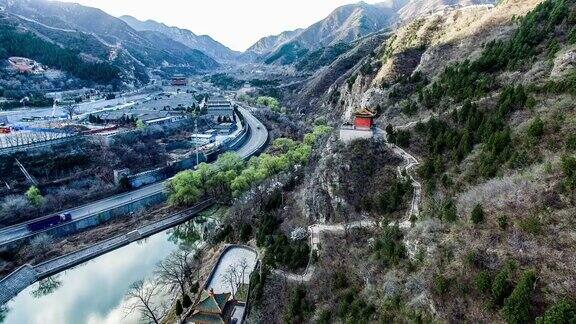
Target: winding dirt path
315,230
406,171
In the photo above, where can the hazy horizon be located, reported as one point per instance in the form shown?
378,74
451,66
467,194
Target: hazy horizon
238,27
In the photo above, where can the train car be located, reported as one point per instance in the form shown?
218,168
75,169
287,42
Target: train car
48,222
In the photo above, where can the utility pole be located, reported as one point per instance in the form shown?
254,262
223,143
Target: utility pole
196,132
26,174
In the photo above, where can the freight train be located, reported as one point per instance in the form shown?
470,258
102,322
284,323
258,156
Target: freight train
48,222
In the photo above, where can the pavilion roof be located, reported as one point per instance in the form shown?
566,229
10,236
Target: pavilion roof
365,112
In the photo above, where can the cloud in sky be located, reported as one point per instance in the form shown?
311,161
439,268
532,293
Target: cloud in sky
235,23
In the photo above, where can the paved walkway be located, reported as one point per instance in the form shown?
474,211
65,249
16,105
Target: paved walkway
315,234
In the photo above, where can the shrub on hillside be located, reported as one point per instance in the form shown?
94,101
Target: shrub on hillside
502,284
477,214
517,307
563,312
483,282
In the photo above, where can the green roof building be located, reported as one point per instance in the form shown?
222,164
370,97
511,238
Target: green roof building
211,308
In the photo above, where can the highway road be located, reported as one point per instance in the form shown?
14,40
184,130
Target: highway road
257,138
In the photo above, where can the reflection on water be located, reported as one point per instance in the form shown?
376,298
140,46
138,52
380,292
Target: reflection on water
47,286
94,292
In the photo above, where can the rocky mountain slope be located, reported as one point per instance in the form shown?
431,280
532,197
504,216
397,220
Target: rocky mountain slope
203,43
347,24
269,44
483,99
344,25
98,36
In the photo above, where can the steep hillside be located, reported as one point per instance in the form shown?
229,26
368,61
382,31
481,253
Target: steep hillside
480,103
419,8
271,43
201,43
344,25
349,23
95,35
326,82
22,43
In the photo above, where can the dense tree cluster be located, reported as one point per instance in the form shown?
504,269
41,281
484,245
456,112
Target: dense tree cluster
563,312
537,32
26,44
538,26
517,308
350,306
231,176
400,137
514,292
468,127
459,81
287,54
269,102
33,100
321,57
224,81
282,251
389,248
391,199
299,307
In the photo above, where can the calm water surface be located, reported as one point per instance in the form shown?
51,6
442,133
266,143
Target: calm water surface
94,292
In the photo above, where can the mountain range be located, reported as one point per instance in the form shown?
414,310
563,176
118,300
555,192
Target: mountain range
347,24
135,47
203,43
96,36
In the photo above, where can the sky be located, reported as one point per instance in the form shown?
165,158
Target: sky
235,23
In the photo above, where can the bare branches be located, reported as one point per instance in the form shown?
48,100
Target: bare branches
235,275
231,278
174,270
143,297
70,110
179,270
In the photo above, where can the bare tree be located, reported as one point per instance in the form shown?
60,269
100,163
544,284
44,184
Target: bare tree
70,110
143,298
175,269
192,270
243,265
231,278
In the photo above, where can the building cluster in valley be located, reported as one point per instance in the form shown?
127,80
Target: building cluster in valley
98,114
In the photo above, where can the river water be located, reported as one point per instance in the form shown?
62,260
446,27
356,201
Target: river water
94,292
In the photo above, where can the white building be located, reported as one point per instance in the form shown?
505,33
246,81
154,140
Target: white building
219,109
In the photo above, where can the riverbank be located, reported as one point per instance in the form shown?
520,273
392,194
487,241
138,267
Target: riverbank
27,274
28,254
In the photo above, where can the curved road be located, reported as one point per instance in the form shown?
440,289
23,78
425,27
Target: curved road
258,135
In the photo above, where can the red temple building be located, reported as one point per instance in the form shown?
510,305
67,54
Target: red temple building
179,80
364,118
362,127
